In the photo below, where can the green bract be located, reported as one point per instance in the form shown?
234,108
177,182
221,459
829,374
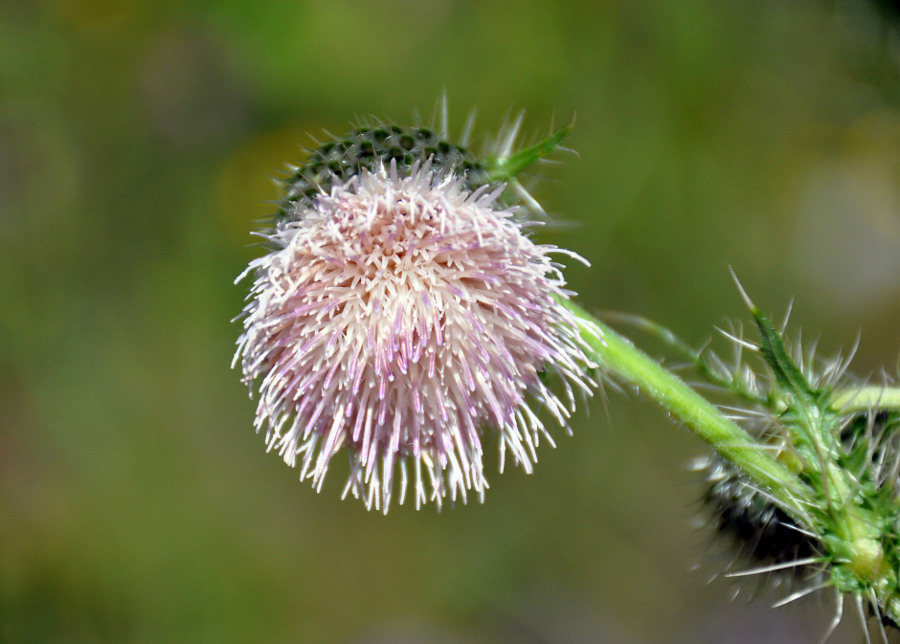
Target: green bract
365,147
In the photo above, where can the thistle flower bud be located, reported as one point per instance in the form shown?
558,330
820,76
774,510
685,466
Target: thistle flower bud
840,437
400,316
809,488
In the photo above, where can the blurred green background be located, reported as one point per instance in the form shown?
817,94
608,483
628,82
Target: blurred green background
137,145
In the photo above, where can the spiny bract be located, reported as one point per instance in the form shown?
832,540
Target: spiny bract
367,147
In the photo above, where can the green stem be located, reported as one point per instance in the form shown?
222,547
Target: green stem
617,355
864,399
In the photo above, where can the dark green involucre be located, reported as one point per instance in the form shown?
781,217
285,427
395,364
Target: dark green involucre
364,147
761,530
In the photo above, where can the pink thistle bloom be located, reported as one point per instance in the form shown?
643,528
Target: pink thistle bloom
399,317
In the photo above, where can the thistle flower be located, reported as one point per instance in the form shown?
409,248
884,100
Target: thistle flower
400,316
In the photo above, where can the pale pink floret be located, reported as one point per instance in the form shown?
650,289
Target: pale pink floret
399,317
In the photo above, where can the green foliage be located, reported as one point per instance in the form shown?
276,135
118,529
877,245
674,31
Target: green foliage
837,524
854,509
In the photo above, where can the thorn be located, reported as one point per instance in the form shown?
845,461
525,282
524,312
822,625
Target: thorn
787,315
468,127
744,296
445,132
507,145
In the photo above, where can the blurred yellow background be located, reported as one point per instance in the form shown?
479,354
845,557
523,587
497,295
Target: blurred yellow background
137,146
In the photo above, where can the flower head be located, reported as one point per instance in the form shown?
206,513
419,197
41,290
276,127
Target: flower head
399,317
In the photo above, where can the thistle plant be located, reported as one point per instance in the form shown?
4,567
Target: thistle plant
402,312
